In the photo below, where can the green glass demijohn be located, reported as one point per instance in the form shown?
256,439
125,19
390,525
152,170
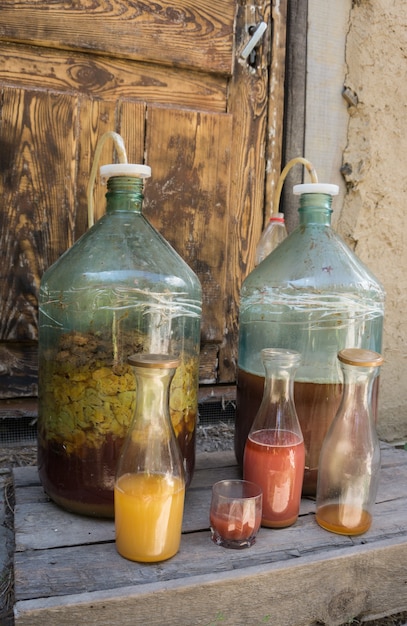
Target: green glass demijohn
313,295
120,290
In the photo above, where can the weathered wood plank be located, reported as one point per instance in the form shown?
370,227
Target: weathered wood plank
39,524
324,588
274,146
16,408
295,100
37,174
196,34
61,568
18,368
197,555
208,363
249,106
190,156
96,117
109,78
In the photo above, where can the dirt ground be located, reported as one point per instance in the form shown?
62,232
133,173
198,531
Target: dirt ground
209,438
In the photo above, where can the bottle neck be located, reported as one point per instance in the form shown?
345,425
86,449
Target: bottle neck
124,194
357,390
315,208
279,382
277,409
152,397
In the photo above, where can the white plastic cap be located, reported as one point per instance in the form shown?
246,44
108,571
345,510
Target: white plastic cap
330,190
124,169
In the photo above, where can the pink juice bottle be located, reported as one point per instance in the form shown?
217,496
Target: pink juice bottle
274,455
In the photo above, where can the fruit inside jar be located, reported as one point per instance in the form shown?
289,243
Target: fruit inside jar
87,403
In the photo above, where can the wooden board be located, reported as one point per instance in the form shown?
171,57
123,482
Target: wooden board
109,79
182,33
170,79
67,568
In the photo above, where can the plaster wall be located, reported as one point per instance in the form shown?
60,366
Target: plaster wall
364,50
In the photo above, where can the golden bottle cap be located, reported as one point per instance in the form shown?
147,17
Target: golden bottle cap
361,357
163,361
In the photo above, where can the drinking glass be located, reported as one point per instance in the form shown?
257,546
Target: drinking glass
235,513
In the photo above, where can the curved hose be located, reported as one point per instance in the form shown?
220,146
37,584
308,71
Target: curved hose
283,175
122,156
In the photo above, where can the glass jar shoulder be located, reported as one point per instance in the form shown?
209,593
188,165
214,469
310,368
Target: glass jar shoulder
122,248
312,258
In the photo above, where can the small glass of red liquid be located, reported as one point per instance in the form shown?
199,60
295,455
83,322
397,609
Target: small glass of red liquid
235,513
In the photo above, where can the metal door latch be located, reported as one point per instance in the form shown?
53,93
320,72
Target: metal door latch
249,51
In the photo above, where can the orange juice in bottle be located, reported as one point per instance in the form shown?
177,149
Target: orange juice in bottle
150,482
148,519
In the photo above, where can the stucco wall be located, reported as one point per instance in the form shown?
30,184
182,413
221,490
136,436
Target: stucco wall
374,214
370,139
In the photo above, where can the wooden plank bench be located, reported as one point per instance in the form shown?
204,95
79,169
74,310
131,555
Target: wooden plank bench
67,570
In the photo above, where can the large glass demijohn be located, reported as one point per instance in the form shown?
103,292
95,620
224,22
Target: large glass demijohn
120,290
313,295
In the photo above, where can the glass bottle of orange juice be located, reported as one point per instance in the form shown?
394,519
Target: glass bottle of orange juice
150,481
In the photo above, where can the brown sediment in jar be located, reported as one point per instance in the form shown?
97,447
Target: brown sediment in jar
87,402
80,482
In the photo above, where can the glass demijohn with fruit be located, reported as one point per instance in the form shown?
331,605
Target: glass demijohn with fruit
120,290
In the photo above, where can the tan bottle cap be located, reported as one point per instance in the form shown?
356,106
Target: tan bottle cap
361,357
163,361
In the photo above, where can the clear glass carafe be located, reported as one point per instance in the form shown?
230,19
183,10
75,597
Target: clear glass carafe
350,456
121,289
312,295
150,485
274,455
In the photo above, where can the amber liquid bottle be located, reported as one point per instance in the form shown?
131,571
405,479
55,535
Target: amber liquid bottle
350,456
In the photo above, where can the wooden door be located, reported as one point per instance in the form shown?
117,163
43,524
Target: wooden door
169,77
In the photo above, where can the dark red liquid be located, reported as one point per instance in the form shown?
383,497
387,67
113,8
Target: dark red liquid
84,483
235,528
274,460
316,406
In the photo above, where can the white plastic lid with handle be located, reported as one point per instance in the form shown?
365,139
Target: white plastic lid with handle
134,170
331,190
